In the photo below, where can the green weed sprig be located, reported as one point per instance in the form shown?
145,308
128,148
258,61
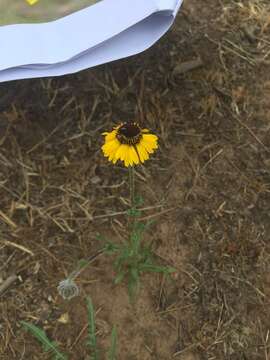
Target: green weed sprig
51,346
48,345
133,258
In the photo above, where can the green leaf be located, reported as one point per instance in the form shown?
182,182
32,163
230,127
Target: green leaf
135,274
112,351
156,268
110,248
134,212
138,200
41,336
139,227
92,341
149,223
82,263
171,270
133,286
120,277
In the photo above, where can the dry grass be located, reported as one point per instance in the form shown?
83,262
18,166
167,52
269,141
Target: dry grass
208,189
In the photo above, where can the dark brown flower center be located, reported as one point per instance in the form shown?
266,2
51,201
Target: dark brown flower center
129,133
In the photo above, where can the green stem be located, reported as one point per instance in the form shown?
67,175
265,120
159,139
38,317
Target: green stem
74,274
131,186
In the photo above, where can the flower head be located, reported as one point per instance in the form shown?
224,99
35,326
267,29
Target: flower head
68,289
129,143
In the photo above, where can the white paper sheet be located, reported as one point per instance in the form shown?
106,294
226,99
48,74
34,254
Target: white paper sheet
103,32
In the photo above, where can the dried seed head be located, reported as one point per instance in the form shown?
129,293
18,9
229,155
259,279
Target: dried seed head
68,289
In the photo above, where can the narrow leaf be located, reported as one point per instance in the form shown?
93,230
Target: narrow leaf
92,341
41,336
120,277
112,351
157,269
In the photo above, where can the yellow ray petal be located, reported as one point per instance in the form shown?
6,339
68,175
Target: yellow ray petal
127,160
149,146
134,155
113,152
150,137
142,153
130,156
110,147
121,153
109,136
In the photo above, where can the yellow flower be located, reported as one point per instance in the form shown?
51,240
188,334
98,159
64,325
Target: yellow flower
129,143
32,2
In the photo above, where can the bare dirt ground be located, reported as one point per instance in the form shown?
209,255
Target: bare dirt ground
209,184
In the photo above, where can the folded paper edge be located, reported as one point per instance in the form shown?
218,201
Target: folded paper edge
89,59
15,38
86,58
